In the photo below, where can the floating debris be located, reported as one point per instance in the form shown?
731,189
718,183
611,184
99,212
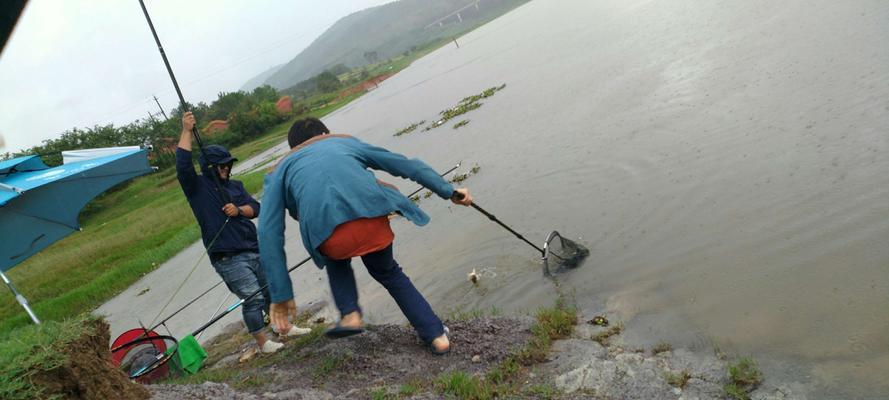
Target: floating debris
410,128
457,179
466,105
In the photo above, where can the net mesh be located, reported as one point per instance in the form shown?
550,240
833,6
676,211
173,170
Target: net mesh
560,254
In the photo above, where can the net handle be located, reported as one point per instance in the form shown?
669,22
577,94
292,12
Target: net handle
460,196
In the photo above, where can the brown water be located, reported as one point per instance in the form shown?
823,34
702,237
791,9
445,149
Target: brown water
725,161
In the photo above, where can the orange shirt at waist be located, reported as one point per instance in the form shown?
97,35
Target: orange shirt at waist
357,238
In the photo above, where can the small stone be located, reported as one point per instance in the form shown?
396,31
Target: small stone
476,358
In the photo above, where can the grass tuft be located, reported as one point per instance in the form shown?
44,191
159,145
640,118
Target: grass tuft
744,376
329,364
462,386
604,337
661,347
678,380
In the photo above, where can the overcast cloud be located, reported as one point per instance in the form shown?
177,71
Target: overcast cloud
82,63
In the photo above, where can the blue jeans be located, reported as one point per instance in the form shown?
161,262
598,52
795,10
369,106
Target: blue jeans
386,271
243,275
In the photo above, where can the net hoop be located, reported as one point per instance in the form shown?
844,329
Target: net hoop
119,352
546,252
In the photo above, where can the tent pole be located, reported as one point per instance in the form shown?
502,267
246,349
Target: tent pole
21,299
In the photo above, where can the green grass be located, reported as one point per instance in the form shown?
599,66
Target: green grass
36,348
462,386
735,392
552,324
330,363
410,388
744,376
544,391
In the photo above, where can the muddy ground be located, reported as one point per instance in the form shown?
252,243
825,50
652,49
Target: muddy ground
388,359
382,358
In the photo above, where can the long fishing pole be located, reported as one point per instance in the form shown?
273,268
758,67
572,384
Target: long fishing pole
242,301
214,171
234,306
160,357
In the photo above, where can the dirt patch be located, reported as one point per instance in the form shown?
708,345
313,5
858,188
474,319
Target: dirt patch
87,372
384,358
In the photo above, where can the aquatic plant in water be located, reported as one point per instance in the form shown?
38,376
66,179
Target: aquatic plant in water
410,128
457,179
465,105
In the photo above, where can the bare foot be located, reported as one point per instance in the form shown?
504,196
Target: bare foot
441,344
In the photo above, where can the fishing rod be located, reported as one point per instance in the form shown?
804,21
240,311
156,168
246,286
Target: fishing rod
214,171
161,358
235,305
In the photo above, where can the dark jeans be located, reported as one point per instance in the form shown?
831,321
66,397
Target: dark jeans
386,271
243,275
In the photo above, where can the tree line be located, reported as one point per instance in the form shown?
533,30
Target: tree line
249,114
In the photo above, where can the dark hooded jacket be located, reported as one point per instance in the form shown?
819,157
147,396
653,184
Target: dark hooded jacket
206,202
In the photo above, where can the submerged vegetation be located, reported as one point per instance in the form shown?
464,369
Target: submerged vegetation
465,105
456,179
410,128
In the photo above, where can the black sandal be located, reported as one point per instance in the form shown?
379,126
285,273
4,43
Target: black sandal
339,332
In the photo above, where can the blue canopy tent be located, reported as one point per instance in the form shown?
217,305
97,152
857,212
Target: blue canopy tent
39,205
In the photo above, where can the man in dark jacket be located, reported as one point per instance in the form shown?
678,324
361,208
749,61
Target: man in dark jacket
229,235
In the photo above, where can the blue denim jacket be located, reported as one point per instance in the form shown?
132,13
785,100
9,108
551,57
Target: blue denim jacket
327,183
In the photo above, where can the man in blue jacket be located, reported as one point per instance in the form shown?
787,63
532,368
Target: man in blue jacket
343,210
229,235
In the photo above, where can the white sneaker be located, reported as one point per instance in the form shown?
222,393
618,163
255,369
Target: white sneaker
271,346
294,331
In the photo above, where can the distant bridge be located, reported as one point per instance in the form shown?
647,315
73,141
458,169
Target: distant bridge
441,20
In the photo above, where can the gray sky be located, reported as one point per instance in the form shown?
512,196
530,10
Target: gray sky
81,63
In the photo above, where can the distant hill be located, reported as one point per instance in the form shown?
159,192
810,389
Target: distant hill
259,80
383,32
